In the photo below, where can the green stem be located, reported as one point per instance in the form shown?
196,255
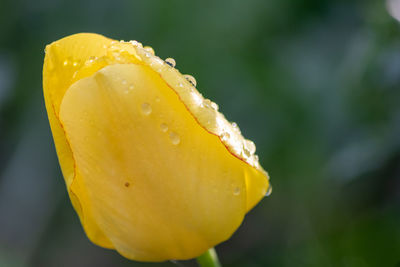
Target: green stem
209,259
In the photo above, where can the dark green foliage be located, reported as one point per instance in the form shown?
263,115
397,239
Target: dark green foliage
316,85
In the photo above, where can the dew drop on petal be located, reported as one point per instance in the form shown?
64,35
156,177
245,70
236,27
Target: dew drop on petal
236,190
246,152
269,191
123,82
174,137
171,62
149,49
214,106
146,109
207,103
158,99
164,127
250,146
190,79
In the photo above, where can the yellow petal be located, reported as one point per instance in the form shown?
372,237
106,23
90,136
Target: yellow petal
152,168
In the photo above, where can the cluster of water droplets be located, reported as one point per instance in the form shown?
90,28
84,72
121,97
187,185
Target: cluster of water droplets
146,108
207,103
204,110
174,137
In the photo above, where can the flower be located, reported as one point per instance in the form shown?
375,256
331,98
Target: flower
151,167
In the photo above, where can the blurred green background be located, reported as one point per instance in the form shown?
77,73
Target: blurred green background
315,83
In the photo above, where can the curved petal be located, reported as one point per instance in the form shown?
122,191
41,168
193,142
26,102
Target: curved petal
108,138
160,185
207,115
58,73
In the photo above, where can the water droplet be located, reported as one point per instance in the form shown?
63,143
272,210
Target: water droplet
269,191
149,49
250,146
127,184
214,106
147,54
146,109
75,64
209,104
131,87
123,82
66,62
135,43
158,99
236,191
256,157
246,152
174,137
180,85
171,62
164,127
190,79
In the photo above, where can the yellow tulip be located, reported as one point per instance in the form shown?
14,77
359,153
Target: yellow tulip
152,168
